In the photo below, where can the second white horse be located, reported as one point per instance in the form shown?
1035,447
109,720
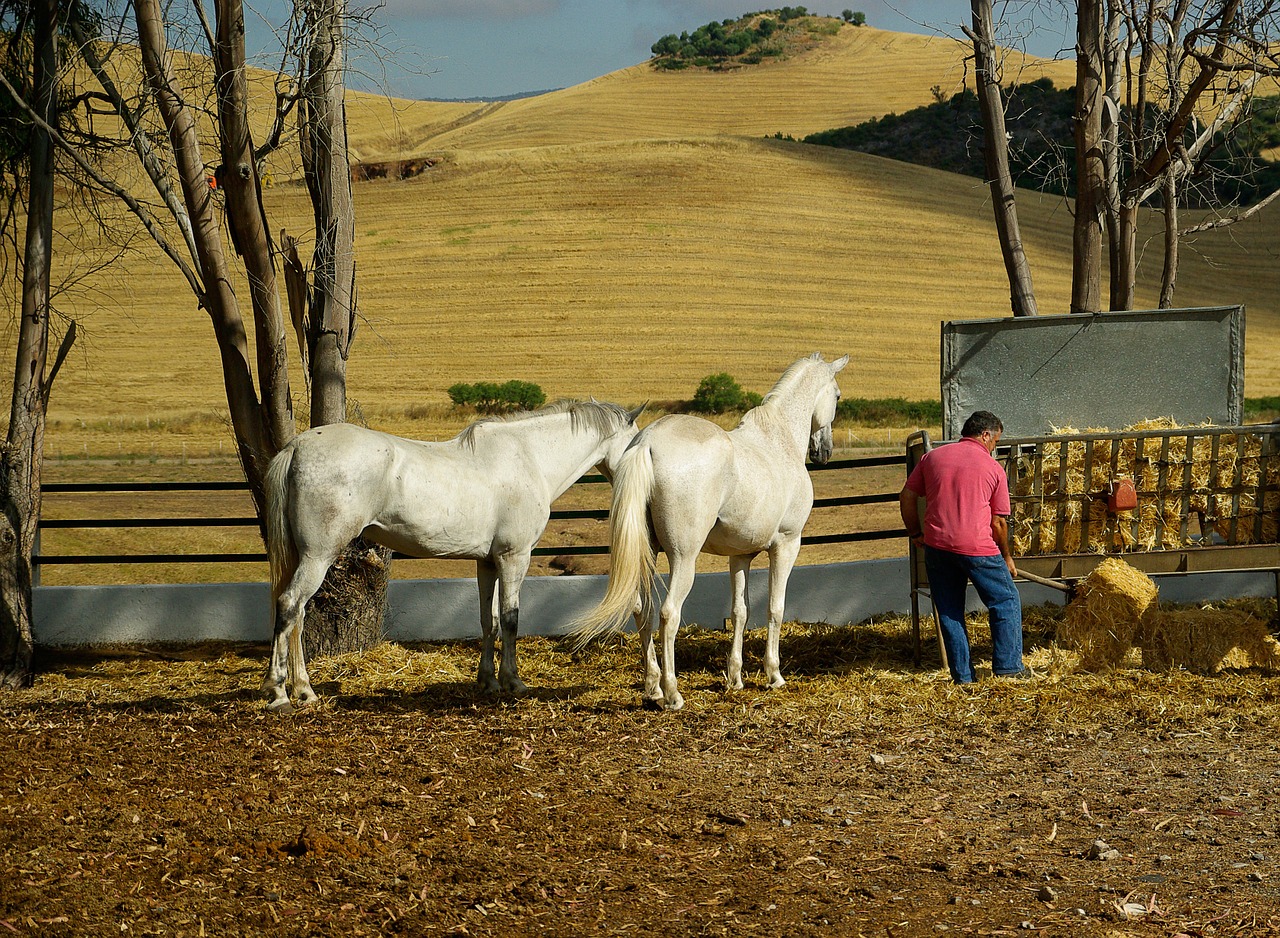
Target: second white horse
687,486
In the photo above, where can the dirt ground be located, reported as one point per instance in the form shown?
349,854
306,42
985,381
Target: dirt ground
147,793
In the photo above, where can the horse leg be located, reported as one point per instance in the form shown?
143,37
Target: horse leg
273,682
782,557
487,581
739,567
648,654
511,571
680,582
286,645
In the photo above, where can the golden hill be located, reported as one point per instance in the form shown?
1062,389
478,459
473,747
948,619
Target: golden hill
625,238
855,75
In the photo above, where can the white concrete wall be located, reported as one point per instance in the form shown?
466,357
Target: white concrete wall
433,610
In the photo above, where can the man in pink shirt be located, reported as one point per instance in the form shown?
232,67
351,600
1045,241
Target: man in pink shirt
965,536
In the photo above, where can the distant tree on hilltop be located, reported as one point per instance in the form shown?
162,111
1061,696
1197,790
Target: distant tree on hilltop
747,40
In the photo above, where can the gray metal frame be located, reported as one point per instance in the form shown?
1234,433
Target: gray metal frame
1043,373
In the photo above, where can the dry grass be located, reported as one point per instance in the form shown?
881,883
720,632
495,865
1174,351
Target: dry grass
623,239
1200,482
1209,640
856,75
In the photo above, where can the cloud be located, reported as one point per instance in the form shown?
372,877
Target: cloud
473,9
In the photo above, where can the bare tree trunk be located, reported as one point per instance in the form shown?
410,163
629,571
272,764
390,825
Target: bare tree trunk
1169,275
1022,297
1126,255
1086,273
247,221
253,440
22,458
328,175
1115,59
347,613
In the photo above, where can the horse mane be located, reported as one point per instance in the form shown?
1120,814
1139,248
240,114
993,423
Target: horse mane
766,412
600,416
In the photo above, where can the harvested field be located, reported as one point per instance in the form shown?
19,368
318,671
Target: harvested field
148,793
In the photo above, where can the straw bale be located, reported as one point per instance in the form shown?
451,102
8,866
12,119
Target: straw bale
1208,641
1108,614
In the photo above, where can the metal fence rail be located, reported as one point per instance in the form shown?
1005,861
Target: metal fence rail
595,514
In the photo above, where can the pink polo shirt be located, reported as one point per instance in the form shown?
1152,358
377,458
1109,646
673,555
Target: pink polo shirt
963,487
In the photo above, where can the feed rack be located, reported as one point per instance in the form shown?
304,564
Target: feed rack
1203,500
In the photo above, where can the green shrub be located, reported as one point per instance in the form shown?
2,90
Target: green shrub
720,393
889,411
488,397
1261,408
463,395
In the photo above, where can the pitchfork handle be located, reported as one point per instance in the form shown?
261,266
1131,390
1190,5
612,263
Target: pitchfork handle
1045,581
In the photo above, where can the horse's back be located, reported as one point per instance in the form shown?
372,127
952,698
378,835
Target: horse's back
686,448
721,492
692,475
341,452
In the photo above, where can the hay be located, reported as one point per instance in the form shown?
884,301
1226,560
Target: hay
390,666
1208,640
1106,618
1115,609
1192,488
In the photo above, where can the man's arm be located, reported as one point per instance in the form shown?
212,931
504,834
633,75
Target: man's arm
1000,534
909,507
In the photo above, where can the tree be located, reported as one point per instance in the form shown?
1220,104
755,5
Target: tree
21,458
167,135
1197,66
1161,85
1022,295
1091,179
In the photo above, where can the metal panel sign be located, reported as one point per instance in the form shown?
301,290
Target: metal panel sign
1105,370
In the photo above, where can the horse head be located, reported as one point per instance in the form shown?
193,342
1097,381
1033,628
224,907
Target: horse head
824,412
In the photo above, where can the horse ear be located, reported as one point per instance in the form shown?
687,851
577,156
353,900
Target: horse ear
838,365
634,415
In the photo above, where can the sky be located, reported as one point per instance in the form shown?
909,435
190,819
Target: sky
494,48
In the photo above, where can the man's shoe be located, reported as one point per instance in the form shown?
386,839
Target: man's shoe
1026,674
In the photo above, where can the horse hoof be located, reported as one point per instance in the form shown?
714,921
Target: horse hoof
674,704
516,687
279,705
307,700
777,683
489,687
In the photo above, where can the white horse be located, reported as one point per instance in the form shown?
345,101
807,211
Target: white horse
686,486
484,495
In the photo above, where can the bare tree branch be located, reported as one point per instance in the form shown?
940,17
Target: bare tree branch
141,143
138,209
1233,219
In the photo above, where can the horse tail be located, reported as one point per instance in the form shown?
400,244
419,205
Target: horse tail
632,562
281,551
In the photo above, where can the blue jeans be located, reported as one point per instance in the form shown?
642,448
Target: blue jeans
949,575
